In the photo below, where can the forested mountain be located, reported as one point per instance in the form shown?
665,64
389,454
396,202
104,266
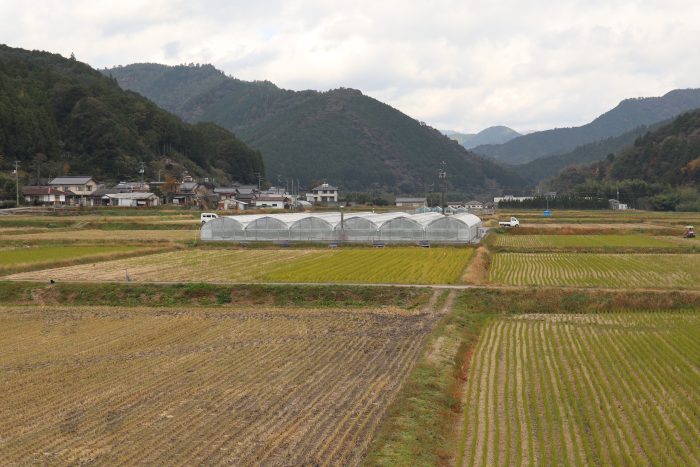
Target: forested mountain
663,166
547,167
59,116
491,135
628,115
341,136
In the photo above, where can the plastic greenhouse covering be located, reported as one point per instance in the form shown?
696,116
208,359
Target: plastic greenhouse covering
392,227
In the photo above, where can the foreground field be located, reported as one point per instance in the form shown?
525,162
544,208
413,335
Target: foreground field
597,270
389,265
601,389
177,386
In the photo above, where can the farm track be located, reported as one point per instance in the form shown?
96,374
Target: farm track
604,389
171,386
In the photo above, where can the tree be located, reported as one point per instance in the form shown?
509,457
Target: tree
169,188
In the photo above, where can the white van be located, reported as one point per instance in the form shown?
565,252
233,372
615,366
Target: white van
207,216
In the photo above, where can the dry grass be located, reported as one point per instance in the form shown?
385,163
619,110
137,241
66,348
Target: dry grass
180,387
477,272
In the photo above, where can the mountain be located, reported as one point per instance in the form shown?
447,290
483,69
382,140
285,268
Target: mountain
340,136
491,135
58,116
662,165
547,167
626,116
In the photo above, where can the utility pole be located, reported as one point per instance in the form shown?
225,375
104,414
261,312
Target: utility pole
442,178
142,171
17,180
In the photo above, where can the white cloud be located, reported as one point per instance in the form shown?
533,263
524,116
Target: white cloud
454,64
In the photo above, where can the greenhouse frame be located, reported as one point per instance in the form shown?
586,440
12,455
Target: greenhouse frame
362,227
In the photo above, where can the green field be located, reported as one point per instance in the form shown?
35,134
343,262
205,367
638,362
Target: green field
600,389
586,241
388,265
597,270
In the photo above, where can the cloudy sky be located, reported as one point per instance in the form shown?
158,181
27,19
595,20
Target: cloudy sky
460,65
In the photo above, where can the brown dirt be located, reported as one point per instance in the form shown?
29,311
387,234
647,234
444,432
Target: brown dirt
477,272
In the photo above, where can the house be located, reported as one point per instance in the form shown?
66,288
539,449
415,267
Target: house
412,202
76,187
132,200
323,194
270,201
43,195
131,187
474,205
615,205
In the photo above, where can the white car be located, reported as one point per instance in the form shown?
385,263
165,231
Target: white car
207,216
514,222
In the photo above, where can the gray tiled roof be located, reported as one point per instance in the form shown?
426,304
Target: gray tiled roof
71,180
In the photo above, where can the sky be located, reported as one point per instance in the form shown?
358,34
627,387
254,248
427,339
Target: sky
457,65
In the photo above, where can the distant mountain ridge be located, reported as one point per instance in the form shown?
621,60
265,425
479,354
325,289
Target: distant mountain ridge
340,136
626,116
491,135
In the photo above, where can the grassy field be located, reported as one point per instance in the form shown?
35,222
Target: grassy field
388,265
600,389
526,242
596,270
203,386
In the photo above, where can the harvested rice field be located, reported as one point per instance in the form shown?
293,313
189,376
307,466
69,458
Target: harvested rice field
14,258
199,386
597,270
612,242
96,235
599,389
388,265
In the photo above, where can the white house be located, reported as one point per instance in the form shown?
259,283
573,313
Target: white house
474,205
132,200
270,201
323,194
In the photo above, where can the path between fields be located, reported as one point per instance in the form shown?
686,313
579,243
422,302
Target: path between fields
361,284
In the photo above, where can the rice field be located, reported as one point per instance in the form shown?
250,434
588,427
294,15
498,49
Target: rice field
585,241
96,235
13,258
139,386
601,389
597,270
388,265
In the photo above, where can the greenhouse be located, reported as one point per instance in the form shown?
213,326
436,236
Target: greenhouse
364,227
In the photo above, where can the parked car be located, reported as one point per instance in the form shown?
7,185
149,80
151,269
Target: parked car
513,222
207,216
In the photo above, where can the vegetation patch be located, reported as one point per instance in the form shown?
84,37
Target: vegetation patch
199,294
